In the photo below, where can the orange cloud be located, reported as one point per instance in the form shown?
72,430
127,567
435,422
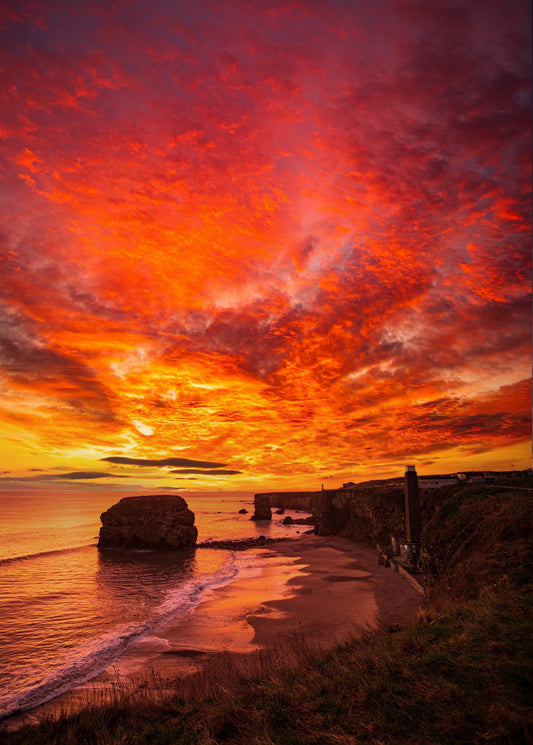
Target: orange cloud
249,233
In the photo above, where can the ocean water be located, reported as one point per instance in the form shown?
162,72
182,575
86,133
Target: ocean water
68,610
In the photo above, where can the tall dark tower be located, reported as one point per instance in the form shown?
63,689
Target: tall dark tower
413,519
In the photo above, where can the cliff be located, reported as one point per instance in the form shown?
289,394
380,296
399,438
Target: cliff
473,537
366,514
477,539
307,501
161,522
369,514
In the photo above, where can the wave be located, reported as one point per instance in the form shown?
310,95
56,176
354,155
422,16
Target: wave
91,658
39,554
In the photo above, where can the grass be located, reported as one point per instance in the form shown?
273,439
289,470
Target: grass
463,677
461,674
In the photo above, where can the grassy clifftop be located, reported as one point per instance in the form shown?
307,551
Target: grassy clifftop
460,675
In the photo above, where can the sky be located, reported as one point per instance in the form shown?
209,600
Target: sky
263,246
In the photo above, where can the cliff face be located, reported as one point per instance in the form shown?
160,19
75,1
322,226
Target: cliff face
369,514
478,538
364,515
308,501
154,522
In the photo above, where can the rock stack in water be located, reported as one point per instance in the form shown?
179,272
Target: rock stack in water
162,522
263,510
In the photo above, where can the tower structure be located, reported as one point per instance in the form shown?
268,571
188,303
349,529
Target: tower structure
413,518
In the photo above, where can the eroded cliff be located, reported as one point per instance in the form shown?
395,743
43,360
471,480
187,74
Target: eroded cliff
367,514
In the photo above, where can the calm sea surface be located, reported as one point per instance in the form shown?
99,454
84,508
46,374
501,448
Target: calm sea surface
68,610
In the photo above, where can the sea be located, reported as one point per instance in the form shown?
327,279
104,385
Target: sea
69,610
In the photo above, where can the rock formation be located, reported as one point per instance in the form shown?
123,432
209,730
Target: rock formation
161,522
241,544
298,520
360,514
262,507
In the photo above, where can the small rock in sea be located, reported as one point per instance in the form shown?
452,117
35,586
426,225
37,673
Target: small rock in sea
298,520
281,511
243,512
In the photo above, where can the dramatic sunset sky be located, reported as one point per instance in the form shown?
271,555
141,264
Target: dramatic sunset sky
259,245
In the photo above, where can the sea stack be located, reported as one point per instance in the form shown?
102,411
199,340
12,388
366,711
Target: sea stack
161,522
262,508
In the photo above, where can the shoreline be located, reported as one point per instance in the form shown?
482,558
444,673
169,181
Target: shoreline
311,591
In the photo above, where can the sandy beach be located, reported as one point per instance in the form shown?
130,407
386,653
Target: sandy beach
319,589
313,591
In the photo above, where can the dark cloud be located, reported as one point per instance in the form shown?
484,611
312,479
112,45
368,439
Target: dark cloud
74,476
209,472
163,462
88,475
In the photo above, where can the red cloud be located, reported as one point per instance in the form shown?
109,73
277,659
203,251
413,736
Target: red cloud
250,226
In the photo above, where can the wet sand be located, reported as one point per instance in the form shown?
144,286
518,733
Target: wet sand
313,592
322,590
